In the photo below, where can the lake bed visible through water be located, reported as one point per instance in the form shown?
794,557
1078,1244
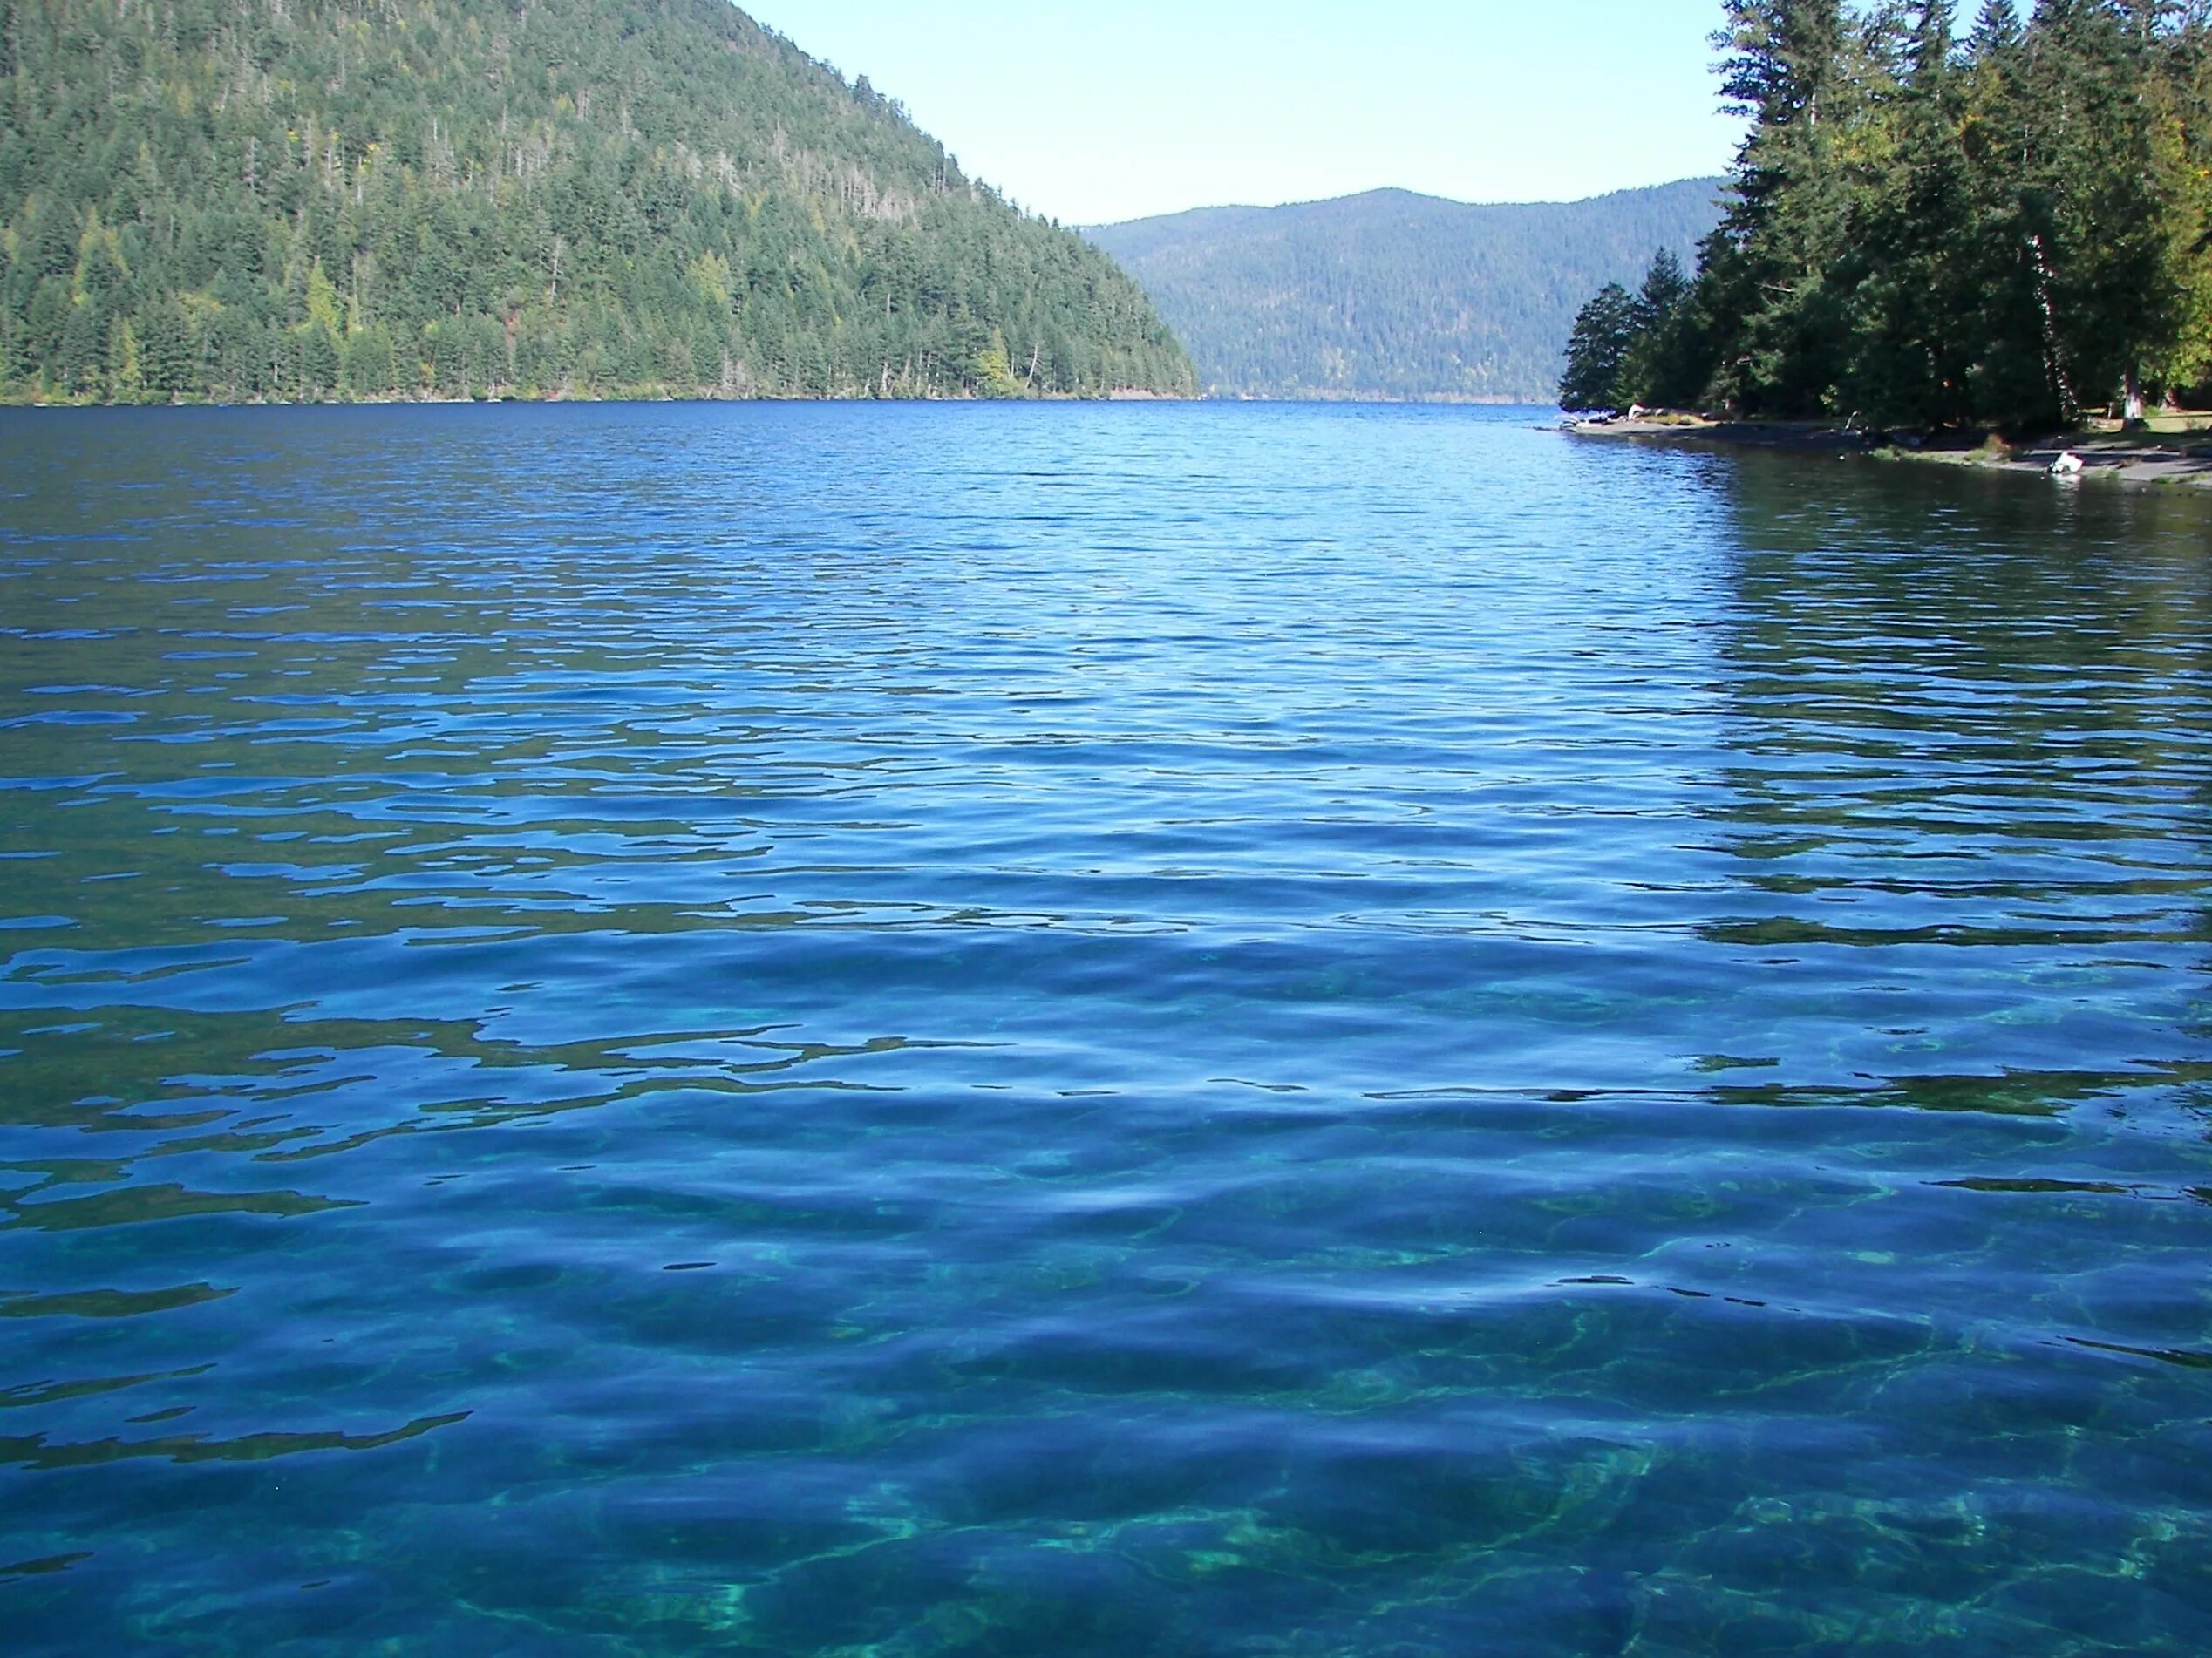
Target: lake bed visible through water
1095,1030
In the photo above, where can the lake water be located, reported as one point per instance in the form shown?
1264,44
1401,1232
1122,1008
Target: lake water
1061,1031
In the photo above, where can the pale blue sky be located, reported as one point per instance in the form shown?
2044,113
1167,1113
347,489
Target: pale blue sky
1094,114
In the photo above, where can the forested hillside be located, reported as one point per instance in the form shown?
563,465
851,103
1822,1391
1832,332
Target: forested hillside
313,199
1394,295
2008,226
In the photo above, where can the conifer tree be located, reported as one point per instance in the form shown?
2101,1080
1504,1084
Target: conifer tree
1597,349
1661,364
1997,30
2094,225
1664,287
1785,68
2182,145
1915,289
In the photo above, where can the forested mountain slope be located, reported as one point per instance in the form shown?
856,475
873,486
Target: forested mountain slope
1394,294
368,198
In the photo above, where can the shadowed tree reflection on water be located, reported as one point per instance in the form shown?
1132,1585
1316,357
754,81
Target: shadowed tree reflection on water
1971,729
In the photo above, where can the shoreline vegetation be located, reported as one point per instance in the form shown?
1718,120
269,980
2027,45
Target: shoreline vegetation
1939,233
337,399
2167,449
462,200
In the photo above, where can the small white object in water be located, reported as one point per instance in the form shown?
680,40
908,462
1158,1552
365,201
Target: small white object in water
2068,464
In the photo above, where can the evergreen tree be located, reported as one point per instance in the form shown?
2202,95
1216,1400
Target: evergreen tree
1598,350
1785,67
2094,224
1915,291
2181,144
1662,363
1996,30
1665,288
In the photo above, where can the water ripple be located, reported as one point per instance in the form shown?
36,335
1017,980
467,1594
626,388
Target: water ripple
932,1031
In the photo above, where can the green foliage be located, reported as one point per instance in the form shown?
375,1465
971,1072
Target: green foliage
1931,234
1392,295
1641,347
1665,347
328,199
1598,350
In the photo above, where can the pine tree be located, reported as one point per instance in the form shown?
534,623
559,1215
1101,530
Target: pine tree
1915,293
2094,224
1664,287
1660,364
2181,146
1996,30
2011,376
1597,349
1785,67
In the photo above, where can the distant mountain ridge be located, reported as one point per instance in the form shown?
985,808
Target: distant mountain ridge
1394,295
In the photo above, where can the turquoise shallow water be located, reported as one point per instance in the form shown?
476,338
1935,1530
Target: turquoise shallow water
1063,1031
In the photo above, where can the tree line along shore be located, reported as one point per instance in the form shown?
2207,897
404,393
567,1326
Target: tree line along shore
1928,231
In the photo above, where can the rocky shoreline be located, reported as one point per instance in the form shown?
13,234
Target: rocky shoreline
2127,456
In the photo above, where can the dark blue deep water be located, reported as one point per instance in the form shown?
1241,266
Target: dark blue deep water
1062,1031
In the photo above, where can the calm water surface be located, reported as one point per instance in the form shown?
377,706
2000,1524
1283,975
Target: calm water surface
1067,1031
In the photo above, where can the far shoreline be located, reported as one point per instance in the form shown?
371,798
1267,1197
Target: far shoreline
611,399
1120,394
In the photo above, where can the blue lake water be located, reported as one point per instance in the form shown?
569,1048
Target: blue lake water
1063,1031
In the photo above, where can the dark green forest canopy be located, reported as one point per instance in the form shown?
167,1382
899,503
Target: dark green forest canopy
1936,221
1394,294
307,199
